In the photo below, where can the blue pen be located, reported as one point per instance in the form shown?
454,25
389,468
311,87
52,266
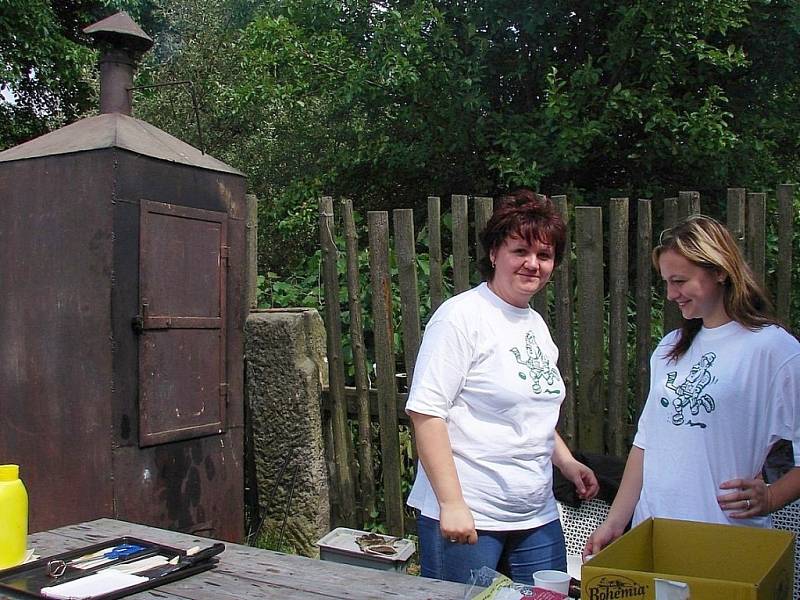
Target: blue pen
109,554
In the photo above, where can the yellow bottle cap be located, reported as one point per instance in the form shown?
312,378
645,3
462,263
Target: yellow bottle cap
9,472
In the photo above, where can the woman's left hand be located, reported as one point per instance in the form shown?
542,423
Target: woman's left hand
582,477
751,498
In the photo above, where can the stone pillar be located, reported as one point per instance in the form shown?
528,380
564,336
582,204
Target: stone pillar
286,368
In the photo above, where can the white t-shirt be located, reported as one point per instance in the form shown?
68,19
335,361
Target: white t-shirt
713,416
489,370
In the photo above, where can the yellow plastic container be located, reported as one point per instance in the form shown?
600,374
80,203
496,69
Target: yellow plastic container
13,517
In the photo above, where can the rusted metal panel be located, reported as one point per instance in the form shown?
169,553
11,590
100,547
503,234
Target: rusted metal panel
125,303
142,177
55,359
237,311
191,486
120,24
164,500
114,130
69,356
182,388
183,260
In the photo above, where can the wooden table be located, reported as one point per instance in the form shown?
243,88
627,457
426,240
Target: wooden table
244,572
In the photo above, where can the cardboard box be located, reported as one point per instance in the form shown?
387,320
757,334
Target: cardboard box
717,562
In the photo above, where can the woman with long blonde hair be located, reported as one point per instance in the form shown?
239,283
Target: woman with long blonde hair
724,388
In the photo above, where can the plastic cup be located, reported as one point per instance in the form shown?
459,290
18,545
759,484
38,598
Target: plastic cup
555,581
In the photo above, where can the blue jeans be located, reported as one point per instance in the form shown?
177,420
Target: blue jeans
515,553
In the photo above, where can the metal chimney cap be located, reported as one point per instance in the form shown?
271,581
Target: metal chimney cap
120,30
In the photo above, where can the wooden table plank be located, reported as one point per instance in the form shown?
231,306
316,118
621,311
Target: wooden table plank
246,572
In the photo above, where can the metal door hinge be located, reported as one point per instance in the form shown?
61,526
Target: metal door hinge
137,323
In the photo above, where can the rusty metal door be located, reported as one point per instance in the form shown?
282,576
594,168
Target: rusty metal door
183,258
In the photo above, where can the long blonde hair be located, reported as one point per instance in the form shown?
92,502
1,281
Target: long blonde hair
708,244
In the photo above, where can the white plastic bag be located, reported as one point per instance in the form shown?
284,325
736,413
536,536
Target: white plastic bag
488,584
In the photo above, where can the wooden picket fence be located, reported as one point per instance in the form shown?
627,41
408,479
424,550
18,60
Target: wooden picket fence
592,326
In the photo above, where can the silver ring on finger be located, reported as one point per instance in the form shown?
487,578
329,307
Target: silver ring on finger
453,540
747,503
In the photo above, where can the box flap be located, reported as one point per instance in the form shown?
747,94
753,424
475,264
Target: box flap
712,551
716,561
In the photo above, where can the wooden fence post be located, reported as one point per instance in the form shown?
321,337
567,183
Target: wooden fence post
344,496
404,242
671,212
786,218
589,259
541,303
460,243
618,327
251,229
483,212
435,283
756,233
672,314
689,203
736,216
563,331
381,283
366,477
644,301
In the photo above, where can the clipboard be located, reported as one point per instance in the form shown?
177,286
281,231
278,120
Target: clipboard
28,580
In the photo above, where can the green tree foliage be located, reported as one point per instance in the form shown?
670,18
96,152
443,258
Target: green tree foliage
41,71
588,95
764,96
47,73
388,102
629,95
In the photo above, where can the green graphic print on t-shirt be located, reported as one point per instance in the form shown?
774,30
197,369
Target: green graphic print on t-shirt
690,393
538,365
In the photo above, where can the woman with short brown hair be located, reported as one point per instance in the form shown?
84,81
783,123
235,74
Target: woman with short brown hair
484,402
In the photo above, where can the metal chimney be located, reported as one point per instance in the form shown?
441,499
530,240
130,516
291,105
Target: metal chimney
121,43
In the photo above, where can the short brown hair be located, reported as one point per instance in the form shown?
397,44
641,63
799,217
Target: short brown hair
527,215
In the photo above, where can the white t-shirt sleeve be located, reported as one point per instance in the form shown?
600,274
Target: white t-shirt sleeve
786,398
443,362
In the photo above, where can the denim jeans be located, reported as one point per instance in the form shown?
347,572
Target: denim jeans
515,553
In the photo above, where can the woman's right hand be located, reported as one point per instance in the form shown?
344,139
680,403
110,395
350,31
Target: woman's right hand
436,455
621,511
600,538
456,523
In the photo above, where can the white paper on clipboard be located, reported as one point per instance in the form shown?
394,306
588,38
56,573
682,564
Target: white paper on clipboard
90,586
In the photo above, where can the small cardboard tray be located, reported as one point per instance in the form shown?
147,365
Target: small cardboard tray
28,579
343,541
